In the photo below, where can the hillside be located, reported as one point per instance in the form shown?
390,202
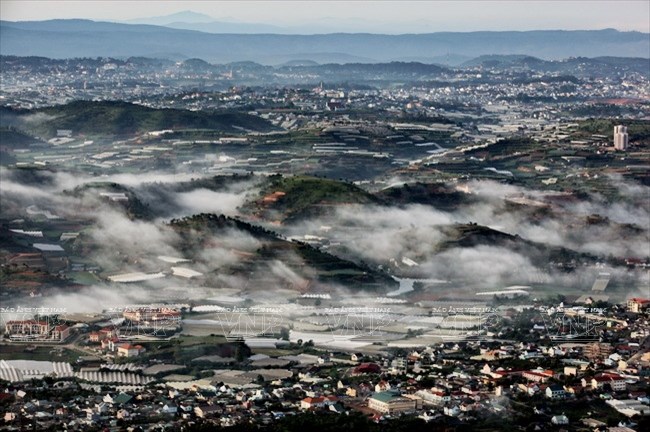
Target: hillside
638,130
579,66
438,195
472,235
293,264
132,205
14,139
297,197
122,119
395,70
10,140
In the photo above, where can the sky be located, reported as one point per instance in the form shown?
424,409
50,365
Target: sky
374,16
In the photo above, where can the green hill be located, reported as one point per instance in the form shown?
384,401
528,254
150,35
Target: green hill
14,139
438,195
311,268
638,130
124,119
297,197
133,206
472,235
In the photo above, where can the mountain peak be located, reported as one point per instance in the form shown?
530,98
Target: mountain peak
186,16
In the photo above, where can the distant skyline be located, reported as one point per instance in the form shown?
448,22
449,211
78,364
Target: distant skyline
360,16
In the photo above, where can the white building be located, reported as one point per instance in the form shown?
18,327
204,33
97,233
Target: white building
620,137
560,420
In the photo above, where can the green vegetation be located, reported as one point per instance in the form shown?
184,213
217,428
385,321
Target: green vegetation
184,349
638,130
134,207
123,119
438,195
505,147
43,353
472,235
207,222
301,196
14,138
295,255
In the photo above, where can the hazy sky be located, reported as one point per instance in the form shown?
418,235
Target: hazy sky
378,16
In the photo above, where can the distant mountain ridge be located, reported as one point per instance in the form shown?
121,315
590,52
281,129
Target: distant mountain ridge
187,16
570,69
84,38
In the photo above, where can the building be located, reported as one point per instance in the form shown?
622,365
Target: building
28,328
146,315
538,376
401,364
382,386
367,368
555,391
638,305
317,402
440,398
560,420
204,411
391,403
102,335
61,332
128,350
597,350
620,137
334,105
616,382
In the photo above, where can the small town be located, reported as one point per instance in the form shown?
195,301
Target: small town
325,216
583,363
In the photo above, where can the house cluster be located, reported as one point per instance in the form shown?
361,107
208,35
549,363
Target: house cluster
459,381
153,315
110,343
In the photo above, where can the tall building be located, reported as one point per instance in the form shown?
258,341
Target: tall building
620,137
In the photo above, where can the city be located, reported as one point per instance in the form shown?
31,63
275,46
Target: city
383,244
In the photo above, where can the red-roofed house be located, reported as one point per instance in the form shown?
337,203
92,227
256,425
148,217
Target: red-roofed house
616,382
364,368
538,376
317,402
128,350
382,386
638,305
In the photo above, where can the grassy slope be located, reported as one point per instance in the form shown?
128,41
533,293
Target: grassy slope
305,196
122,118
